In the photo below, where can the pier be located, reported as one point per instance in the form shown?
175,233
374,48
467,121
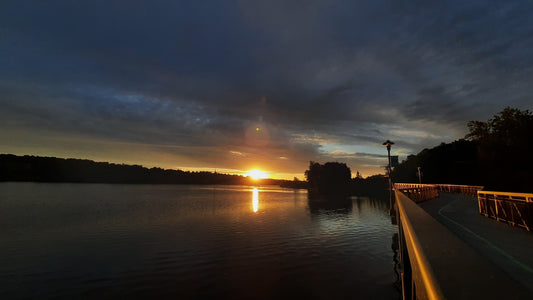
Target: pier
459,242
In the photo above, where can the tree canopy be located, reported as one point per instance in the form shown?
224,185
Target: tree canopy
495,153
329,178
511,127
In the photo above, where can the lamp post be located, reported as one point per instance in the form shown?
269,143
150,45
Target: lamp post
388,144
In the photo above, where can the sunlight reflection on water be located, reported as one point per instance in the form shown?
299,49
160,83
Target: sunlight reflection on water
255,200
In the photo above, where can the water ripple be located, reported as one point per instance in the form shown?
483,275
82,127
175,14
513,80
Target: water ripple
189,242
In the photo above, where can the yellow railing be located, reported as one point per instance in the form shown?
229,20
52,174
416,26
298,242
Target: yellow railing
412,185
515,209
422,192
462,189
436,264
416,267
418,192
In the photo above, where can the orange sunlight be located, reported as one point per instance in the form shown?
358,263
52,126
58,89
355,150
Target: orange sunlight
257,174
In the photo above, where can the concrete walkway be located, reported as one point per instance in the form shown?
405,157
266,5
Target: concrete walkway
508,247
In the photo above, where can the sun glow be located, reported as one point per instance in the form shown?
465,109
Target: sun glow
257,174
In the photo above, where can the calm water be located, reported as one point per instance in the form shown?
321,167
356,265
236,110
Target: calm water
190,242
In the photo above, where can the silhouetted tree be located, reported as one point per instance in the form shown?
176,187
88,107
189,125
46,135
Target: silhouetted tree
511,126
294,184
453,163
495,154
374,186
329,178
504,149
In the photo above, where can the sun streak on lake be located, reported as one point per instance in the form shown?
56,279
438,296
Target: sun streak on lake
255,200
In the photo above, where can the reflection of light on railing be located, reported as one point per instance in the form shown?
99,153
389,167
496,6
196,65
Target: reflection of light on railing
255,200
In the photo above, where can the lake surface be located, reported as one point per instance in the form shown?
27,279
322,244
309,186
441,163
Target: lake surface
191,242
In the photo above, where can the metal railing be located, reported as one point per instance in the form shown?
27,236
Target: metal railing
418,192
436,264
418,279
422,192
462,189
411,185
516,209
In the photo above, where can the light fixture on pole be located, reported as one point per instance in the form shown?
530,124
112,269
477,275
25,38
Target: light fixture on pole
388,144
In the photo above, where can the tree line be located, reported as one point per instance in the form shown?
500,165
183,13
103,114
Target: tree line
495,154
335,178
53,169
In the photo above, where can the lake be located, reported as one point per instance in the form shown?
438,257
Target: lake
191,242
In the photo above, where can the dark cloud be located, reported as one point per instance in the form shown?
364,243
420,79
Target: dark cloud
188,79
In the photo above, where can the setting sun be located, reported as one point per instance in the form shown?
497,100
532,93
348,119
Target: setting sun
257,174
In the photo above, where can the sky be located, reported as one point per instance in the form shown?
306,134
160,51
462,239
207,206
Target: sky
231,86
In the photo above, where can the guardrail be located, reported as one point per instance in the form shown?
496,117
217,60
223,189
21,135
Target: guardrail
462,189
418,192
412,185
435,264
422,192
417,276
516,209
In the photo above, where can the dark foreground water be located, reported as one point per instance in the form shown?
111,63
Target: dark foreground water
191,242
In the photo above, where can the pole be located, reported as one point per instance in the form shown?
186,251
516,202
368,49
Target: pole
419,176
390,182
388,145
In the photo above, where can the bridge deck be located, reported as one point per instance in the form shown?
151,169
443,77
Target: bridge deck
508,247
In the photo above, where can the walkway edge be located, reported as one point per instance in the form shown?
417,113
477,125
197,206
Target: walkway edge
443,266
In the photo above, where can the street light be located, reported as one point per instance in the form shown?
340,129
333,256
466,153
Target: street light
388,144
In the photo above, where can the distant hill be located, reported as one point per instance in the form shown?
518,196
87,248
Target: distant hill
52,169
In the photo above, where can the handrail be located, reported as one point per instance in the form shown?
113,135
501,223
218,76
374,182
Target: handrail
511,196
463,189
422,271
450,188
516,209
436,264
418,192
412,185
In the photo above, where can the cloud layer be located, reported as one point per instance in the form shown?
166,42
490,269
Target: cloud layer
256,84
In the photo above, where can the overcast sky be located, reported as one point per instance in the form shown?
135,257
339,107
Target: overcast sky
236,85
